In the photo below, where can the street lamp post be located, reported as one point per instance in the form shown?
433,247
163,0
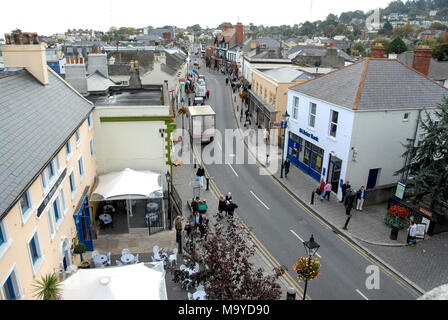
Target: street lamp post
168,179
311,248
286,117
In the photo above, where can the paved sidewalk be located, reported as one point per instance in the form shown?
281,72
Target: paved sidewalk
421,266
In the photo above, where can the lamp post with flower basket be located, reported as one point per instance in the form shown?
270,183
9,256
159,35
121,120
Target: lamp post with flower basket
397,218
308,268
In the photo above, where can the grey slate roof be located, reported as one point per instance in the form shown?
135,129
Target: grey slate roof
35,122
438,70
387,84
287,74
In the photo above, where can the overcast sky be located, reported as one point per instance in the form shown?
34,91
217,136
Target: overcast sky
47,17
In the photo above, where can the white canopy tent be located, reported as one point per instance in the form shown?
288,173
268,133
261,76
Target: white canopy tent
130,282
128,184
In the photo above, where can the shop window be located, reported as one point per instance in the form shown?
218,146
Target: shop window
295,112
333,123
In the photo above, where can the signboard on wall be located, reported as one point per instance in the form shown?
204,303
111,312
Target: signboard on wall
400,190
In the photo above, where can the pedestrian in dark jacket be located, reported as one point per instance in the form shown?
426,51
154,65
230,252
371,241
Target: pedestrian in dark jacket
231,207
222,205
195,205
345,186
350,200
287,164
361,196
200,175
228,196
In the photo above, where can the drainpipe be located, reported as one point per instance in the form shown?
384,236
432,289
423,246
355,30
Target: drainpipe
404,175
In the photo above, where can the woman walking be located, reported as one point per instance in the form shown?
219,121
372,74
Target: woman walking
222,205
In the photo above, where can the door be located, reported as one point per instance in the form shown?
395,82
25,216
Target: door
334,173
373,177
84,226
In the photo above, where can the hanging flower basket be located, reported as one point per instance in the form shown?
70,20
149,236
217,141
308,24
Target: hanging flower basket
399,214
307,268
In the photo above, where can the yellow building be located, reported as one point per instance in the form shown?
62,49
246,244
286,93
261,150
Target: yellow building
268,95
47,170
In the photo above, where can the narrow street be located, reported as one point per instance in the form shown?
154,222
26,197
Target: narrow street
281,224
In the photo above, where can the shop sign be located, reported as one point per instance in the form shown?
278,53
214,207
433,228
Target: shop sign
309,135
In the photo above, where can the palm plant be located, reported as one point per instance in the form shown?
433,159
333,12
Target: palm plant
48,288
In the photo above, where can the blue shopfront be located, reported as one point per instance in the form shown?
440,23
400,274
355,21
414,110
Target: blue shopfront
305,155
83,223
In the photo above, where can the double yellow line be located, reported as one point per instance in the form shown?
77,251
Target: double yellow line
265,252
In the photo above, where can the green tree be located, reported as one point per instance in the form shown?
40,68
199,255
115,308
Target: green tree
358,49
380,39
307,29
397,46
428,161
48,288
16,30
437,26
440,52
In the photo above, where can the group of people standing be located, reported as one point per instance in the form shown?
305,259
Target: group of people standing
226,205
349,195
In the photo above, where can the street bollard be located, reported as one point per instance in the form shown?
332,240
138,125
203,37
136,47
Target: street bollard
346,222
312,198
208,184
267,159
291,294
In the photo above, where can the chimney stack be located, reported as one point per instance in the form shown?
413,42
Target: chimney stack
75,74
32,57
226,26
422,59
239,33
377,51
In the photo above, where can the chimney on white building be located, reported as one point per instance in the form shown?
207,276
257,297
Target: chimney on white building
31,55
97,60
75,74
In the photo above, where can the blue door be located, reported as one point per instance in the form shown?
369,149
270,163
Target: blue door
84,226
373,176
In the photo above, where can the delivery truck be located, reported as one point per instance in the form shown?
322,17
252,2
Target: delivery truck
202,123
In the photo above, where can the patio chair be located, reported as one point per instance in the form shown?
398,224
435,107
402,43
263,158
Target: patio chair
200,288
155,249
196,268
125,251
173,257
190,296
182,267
156,257
136,258
118,263
108,259
94,254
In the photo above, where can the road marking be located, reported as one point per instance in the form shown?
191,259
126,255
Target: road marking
233,169
259,200
362,294
303,241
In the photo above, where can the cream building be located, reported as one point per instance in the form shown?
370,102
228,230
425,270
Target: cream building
47,170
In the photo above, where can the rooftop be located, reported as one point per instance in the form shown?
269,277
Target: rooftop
375,84
137,97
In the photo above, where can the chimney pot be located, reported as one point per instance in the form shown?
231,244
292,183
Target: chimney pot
26,38
72,61
16,38
77,60
35,38
67,60
81,60
8,38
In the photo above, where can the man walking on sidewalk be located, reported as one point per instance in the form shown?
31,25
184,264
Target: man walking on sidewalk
286,165
200,175
231,208
350,200
361,195
345,186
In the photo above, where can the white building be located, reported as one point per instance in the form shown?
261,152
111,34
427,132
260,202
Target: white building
350,124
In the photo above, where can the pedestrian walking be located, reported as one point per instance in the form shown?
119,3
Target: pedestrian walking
208,94
361,196
197,221
200,175
222,205
195,205
178,227
228,196
327,189
345,186
322,189
266,136
231,207
350,200
286,165
412,233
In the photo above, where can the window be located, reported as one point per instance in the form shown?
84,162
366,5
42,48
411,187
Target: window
58,163
25,203
333,123
68,149
62,199
43,179
312,118
270,97
72,183
2,237
51,224
56,211
81,168
295,111
10,289
34,249
5,240
406,116
92,154
89,122
50,171
78,137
